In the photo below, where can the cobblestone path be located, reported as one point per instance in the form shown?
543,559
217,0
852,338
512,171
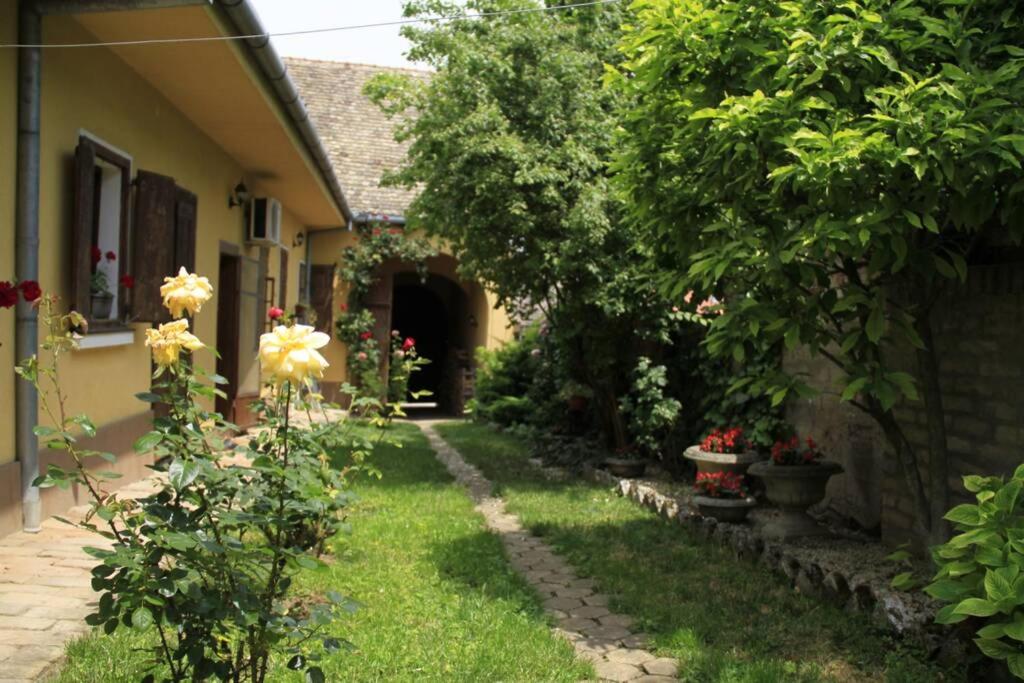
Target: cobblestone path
45,591
600,636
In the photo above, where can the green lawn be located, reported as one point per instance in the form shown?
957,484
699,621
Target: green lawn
439,601
723,619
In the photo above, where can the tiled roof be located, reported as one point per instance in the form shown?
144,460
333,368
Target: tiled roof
358,136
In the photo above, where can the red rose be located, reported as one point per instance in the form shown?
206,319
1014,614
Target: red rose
275,313
408,343
365,335
111,256
97,254
30,290
8,294
127,281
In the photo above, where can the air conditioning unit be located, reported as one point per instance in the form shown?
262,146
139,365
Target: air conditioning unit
264,222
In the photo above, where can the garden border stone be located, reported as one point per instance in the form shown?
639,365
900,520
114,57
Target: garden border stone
827,569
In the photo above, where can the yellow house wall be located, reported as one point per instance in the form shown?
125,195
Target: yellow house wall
93,90
8,141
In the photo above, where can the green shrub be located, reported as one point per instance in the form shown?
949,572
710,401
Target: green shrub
980,568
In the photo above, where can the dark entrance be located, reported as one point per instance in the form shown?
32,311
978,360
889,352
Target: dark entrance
228,302
434,314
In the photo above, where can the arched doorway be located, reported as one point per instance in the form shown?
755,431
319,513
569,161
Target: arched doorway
434,313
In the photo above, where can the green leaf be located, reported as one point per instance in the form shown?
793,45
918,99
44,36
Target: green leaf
995,649
149,397
946,590
314,675
875,325
147,442
948,615
1015,663
1006,497
976,607
142,618
997,588
964,514
181,473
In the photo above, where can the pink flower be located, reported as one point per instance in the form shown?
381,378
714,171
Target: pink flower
275,313
361,355
535,352
675,309
396,333
408,343
689,297
399,353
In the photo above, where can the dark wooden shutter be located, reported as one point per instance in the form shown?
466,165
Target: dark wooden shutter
185,230
322,296
283,278
82,224
154,243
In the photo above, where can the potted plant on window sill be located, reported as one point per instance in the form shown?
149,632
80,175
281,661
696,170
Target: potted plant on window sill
723,450
795,479
722,495
628,463
102,299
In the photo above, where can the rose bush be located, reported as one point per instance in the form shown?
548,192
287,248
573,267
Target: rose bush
207,562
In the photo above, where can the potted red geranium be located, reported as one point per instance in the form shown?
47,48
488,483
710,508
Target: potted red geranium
723,450
795,479
722,495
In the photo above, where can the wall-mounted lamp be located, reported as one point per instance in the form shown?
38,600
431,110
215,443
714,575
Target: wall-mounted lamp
300,238
238,196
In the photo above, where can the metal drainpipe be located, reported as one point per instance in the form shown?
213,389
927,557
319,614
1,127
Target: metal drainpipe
26,265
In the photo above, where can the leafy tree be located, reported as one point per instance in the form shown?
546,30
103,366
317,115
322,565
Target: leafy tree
827,167
509,146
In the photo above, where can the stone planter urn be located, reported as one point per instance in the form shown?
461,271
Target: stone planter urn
626,468
729,510
101,305
721,462
794,488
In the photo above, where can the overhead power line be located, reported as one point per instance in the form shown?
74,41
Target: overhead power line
312,31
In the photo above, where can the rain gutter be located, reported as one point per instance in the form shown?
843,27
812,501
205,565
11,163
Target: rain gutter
242,16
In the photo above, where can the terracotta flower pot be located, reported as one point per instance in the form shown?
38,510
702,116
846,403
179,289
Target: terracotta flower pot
626,468
730,510
721,462
794,488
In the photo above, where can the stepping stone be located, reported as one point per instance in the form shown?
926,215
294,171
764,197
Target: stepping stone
590,612
610,632
654,679
617,620
564,604
614,671
662,666
634,657
596,599
578,624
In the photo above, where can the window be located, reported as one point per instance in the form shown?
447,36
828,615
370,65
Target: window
106,246
100,240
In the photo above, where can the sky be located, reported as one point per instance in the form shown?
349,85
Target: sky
382,45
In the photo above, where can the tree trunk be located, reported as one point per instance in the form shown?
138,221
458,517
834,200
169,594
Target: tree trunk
938,451
907,459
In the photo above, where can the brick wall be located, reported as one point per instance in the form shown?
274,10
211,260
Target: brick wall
979,338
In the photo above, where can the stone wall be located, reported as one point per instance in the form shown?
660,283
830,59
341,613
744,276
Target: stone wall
979,332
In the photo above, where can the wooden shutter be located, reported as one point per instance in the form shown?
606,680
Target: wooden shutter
82,224
283,279
185,230
154,244
322,296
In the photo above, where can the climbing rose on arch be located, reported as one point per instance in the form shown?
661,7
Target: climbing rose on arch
408,343
30,290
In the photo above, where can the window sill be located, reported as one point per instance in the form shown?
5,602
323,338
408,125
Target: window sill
124,336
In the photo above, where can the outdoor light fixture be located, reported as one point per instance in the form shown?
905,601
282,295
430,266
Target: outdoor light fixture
238,196
299,239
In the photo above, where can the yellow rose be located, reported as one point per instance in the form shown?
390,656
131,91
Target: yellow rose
289,354
185,292
168,340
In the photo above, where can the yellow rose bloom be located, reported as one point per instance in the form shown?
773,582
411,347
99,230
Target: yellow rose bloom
185,292
289,354
168,340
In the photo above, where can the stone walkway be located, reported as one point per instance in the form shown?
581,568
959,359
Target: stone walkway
45,592
598,635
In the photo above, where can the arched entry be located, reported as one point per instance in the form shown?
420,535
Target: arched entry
435,313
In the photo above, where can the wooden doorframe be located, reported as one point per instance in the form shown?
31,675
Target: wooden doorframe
229,301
